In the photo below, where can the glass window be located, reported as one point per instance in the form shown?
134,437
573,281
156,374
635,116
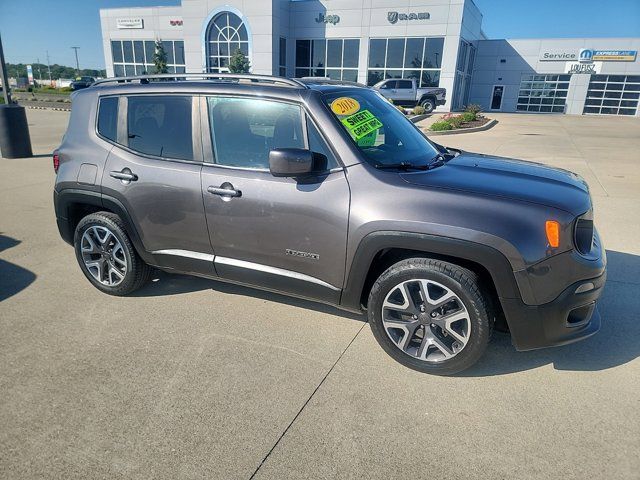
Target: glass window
383,134
138,51
377,53
433,53
374,76
318,145
351,54
395,52
179,48
225,35
149,50
350,75
334,53
319,53
118,70
413,53
160,126
303,53
405,84
127,48
168,49
282,54
430,78
244,131
116,51
108,118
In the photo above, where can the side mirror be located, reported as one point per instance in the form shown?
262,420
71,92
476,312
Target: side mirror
295,162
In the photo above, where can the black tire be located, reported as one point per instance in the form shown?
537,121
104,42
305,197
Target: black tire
428,104
462,282
137,272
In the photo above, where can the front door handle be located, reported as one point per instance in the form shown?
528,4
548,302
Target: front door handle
225,190
125,175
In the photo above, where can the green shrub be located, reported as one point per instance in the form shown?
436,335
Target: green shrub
468,116
66,89
441,126
418,110
473,108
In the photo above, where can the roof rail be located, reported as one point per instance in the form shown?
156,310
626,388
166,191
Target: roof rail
205,76
328,81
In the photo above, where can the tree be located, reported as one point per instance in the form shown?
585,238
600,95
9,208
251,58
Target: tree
239,63
160,58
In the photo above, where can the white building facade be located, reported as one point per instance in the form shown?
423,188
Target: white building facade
438,42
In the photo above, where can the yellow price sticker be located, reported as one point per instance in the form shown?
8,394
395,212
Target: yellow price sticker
345,106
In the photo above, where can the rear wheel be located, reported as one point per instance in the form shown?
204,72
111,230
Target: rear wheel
428,104
430,315
106,255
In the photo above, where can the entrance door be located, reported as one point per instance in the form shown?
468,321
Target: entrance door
496,97
282,234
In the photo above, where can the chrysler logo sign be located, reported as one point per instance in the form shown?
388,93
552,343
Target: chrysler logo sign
393,17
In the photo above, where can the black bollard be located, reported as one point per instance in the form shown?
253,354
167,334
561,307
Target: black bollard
14,132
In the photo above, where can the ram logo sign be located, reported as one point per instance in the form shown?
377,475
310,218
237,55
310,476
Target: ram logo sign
393,17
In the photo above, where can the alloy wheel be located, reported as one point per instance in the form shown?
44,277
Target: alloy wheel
103,255
426,320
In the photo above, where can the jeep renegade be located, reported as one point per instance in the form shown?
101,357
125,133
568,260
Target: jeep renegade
324,191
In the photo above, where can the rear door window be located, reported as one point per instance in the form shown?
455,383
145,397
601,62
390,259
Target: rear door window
108,118
160,126
405,84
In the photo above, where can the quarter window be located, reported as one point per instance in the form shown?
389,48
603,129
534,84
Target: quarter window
160,126
244,131
108,118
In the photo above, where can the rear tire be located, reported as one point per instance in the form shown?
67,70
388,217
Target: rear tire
106,255
430,315
428,104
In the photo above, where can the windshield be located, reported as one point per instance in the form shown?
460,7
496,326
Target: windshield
381,132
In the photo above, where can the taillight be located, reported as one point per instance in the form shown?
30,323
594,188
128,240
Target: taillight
56,162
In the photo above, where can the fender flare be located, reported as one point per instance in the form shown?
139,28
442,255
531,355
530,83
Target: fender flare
491,259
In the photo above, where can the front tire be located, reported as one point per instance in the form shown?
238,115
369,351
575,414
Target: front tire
430,315
106,255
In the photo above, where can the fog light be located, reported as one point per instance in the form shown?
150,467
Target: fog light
585,287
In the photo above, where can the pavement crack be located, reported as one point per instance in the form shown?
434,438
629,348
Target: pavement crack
305,404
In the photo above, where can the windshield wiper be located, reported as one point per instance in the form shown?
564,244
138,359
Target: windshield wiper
402,166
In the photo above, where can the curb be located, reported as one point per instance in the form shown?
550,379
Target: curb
419,118
490,124
38,107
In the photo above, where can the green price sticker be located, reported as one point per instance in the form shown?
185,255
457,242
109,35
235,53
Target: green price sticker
362,123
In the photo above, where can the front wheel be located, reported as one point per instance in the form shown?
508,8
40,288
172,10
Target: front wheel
106,255
430,315
428,104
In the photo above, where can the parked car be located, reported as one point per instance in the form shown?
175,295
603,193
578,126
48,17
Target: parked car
82,82
405,92
326,192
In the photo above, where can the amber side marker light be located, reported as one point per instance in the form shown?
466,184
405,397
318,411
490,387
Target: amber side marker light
553,233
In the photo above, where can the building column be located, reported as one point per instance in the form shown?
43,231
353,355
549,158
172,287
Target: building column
577,93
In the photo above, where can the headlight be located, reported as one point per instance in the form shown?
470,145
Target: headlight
583,233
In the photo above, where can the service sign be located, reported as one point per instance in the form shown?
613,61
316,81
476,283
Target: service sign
129,23
558,56
581,67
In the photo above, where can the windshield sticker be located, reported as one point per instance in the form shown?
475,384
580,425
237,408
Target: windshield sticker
369,140
362,124
345,106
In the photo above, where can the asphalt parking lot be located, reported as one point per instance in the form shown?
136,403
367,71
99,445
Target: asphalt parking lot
192,378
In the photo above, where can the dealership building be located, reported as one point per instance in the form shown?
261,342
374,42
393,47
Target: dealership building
438,42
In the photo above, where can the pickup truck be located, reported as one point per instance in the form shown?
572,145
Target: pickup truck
405,92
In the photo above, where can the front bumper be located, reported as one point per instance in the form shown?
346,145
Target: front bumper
571,317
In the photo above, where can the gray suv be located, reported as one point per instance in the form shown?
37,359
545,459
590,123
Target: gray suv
325,191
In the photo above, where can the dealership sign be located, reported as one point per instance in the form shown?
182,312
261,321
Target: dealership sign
581,67
558,56
393,17
332,19
588,55
126,23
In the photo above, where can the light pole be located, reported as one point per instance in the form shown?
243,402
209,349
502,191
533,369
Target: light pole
77,64
49,67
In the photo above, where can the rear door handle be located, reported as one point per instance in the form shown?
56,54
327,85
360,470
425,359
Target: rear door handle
225,190
125,175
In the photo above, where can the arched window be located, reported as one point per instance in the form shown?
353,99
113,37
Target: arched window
225,35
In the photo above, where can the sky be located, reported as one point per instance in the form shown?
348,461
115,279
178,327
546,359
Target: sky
31,27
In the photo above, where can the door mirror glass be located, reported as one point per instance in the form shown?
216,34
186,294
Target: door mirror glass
294,162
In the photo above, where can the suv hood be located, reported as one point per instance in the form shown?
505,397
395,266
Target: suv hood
508,178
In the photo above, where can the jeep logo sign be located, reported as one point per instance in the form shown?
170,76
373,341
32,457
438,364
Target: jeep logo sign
332,19
393,17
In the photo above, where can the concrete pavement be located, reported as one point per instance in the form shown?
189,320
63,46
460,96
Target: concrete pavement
191,378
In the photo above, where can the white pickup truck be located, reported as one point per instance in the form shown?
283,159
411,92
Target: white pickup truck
405,92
